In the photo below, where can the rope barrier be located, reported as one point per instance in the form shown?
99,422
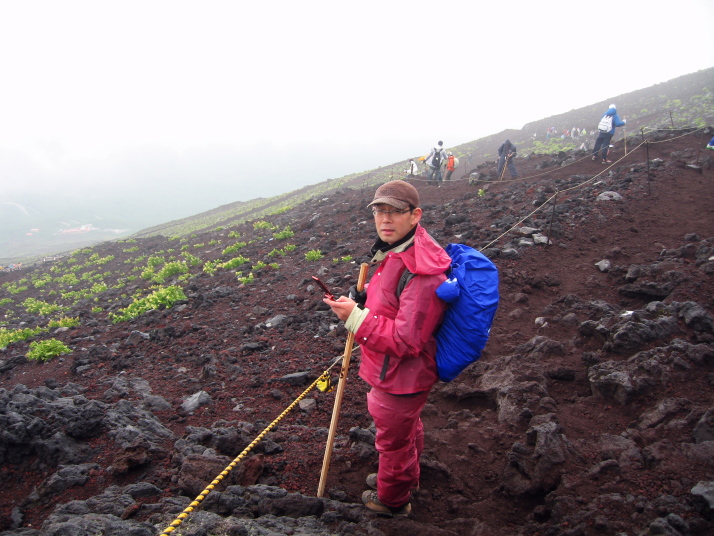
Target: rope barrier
585,157
581,185
201,496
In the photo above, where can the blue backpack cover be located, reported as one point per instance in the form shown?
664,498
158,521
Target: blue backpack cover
471,291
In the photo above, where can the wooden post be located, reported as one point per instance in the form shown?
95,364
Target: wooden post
649,181
340,393
552,215
670,118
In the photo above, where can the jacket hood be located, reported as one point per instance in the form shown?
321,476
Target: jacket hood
611,111
426,256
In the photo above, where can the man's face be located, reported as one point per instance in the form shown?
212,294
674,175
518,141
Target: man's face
393,224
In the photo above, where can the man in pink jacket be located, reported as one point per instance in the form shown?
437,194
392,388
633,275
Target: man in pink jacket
396,338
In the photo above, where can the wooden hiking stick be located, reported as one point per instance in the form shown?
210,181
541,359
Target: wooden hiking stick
503,171
340,392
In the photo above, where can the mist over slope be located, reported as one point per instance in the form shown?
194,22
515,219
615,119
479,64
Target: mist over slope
44,222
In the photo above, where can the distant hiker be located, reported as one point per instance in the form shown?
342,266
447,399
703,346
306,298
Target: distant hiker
413,170
506,155
710,145
606,128
434,160
397,341
451,164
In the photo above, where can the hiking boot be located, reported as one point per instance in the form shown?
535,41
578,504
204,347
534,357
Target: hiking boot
372,480
372,502
594,158
607,161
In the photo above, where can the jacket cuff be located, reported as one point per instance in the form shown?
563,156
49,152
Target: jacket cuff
354,321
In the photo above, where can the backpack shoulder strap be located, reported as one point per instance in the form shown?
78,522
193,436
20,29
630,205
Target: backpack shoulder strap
403,280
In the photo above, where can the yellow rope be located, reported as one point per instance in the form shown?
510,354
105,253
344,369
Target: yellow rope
197,501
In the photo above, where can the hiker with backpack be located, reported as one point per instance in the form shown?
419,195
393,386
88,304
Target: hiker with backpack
451,164
606,130
506,155
434,160
397,341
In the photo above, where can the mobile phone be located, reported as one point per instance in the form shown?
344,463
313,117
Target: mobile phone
324,288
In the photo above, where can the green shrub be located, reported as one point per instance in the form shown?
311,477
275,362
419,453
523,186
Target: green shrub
235,247
285,233
8,336
155,261
314,255
170,269
191,259
245,280
34,306
162,297
46,350
234,263
64,322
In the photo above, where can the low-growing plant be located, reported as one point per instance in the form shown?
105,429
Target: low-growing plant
14,289
210,267
314,255
234,234
34,306
274,265
170,269
97,309
191,259
285,233
46,350
289,247
162,297
64,322
234,262
8,336
155,261
263,225
232,249
245,279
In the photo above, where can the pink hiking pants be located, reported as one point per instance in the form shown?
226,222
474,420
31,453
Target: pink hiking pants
399,441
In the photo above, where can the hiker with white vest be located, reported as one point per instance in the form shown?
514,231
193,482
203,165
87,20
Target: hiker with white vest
434,160
606,130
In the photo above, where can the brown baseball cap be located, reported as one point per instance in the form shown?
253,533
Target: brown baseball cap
398,194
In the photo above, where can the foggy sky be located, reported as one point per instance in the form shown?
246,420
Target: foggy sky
235,100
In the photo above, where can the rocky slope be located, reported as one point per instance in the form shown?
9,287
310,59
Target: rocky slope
589,413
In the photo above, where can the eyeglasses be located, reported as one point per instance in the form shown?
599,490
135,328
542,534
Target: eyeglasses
381,212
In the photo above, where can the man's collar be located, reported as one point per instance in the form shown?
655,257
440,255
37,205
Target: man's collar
381,248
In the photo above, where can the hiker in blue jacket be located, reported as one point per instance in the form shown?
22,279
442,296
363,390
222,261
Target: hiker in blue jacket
605,135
